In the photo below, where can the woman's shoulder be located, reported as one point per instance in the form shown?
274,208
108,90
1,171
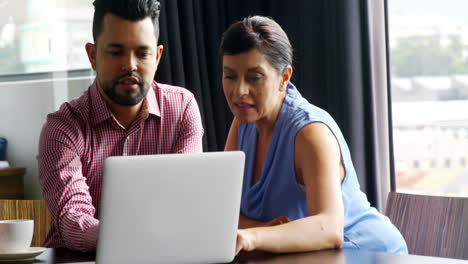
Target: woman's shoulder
298,111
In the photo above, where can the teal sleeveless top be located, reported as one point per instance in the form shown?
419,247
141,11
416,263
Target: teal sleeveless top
278,193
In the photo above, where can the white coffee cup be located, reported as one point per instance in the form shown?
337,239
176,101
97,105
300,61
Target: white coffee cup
15,235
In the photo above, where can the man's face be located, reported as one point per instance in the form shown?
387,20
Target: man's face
125,58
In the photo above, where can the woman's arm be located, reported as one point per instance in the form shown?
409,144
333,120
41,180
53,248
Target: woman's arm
318,165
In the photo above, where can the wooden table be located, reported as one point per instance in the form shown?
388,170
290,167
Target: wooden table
339,256
12,183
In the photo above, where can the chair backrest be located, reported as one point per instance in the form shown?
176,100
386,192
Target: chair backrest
28,209
431,225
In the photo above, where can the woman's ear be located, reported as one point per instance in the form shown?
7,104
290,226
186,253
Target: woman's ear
285,77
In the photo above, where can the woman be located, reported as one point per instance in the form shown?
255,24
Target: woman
300,188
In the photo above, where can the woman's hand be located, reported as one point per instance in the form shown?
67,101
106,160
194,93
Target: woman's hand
245,240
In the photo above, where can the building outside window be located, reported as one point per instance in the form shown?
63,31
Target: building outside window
429,80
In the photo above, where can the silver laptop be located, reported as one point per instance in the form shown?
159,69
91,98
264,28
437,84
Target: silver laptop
175,208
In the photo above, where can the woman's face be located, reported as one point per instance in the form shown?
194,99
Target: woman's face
254,89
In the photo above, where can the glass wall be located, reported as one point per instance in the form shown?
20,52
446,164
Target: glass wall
43,63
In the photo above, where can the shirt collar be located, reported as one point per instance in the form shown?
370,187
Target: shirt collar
101,112
152,100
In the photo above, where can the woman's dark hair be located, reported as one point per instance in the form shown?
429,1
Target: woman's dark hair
262,33
133,10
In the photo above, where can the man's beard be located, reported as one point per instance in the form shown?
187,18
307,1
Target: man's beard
128,98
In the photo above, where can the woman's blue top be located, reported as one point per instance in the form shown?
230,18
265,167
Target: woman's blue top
278,193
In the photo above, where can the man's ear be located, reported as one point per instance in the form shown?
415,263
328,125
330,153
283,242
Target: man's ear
159,50
91,51
286,76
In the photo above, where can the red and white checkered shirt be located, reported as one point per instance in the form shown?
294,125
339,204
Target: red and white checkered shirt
76,139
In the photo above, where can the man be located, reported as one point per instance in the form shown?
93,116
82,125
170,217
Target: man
124,112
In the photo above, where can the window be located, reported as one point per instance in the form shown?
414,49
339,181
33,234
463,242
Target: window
44,35
429,80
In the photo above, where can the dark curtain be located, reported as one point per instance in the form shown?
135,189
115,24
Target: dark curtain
331,63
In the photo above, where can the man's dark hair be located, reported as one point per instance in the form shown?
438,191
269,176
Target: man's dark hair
262,33
133,10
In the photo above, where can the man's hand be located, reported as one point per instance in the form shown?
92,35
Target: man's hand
278,221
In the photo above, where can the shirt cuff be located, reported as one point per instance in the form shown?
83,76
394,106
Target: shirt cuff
91,235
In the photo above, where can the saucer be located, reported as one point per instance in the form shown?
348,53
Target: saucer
26,254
